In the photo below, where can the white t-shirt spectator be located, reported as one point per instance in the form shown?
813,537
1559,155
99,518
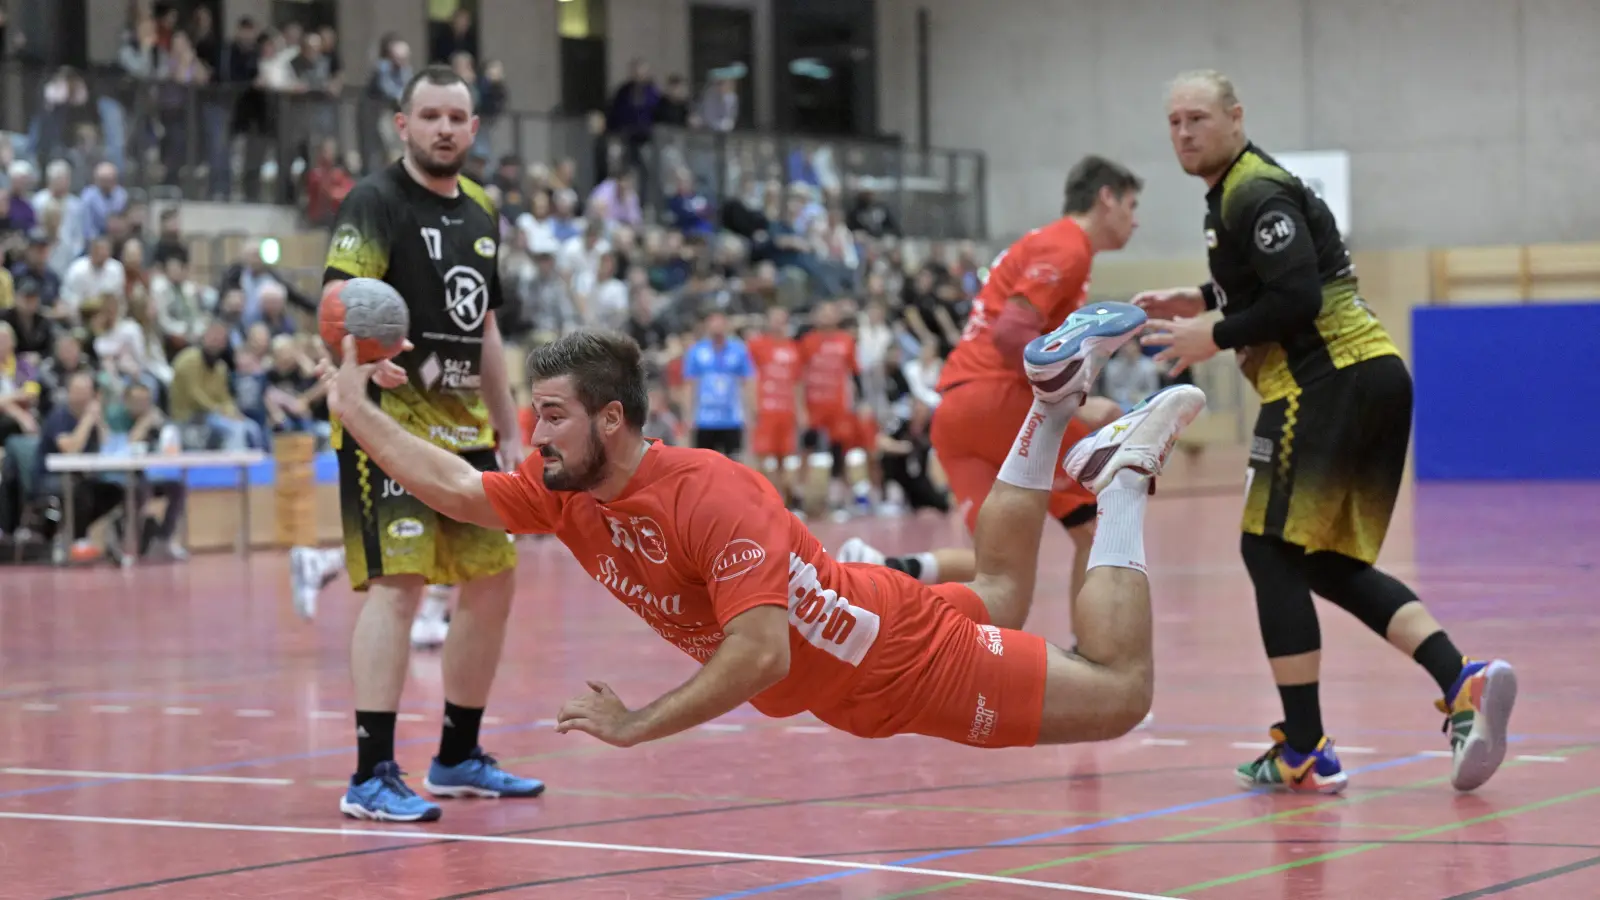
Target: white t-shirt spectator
84,281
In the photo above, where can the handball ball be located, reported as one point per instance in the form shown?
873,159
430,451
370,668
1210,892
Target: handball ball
370,310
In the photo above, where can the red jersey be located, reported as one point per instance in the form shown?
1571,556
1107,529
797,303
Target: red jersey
695,539
777,372
830,362
1049,267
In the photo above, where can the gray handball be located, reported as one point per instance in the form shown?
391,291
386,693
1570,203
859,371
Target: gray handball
375,311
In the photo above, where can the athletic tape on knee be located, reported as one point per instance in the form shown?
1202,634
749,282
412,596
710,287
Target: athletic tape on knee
820,460
792,464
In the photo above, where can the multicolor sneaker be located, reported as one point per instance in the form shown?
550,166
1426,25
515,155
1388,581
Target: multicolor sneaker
385,797
1068,360
1479,710
1282,768
1140,440
479,775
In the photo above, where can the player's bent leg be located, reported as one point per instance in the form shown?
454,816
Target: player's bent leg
1061,366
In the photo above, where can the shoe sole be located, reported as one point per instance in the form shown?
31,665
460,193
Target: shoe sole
467,791
1485,749
357,811
1098,340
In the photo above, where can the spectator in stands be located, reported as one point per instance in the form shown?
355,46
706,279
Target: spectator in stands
69,235
24,181
55,372
719,104
141,51
327,184
102,200
389,78
180,304
632,116
905,448
249,274
32,331
19,389
295,398
673,108
870,215
201,392
137,422
252,117
601,298
78,426
616,200
182,76
459,35
922,374
169,240
690,211
538,224
92,276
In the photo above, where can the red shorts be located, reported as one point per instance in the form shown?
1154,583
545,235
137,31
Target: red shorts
973,430
774,435
947,673
842,426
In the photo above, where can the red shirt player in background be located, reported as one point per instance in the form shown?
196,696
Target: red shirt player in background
702,549
1032,287
837,440
775,439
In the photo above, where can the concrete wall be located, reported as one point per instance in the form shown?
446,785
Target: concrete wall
1468,121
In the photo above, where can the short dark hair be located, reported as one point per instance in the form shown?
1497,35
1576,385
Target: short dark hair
1093,173
605,366
437,75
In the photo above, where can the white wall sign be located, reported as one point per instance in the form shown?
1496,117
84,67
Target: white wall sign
1327,172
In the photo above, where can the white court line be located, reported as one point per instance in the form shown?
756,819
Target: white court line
145,776
108,709
1164,742
585,845
492,720
1359,751
721,726
410,717
808,729
253,713
1252,745
1542,758
1443,754
40,707
181,711
327,714
545,723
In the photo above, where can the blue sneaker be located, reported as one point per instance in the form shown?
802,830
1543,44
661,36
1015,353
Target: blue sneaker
478,776
1067,361
385,797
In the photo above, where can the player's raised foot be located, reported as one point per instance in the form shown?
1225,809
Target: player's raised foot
1282,768
856,550
1068,360
385,797
1479,710
305,579
428,632
478,776
1141,440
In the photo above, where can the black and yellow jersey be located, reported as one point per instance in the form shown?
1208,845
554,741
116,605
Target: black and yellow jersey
1283,279
441,254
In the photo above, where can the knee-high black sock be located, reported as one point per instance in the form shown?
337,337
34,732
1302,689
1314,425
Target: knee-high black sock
1438,654
459,737
374,741
1302,715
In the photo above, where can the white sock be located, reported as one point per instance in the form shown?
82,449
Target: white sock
929,571
1032,461
1119,537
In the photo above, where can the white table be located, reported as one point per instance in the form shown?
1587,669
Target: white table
70,464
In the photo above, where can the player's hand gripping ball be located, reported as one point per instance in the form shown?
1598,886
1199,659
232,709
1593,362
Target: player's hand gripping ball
369,310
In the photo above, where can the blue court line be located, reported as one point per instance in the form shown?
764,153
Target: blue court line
247,763
1047,835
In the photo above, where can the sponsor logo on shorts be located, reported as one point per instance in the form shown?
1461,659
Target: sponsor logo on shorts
741,555
405,529
1029,428
1260,449
989,638
983,722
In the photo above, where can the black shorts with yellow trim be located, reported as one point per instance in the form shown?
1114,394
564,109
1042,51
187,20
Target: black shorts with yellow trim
1326,461
387,531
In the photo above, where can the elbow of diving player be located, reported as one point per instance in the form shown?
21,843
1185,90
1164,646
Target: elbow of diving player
762,636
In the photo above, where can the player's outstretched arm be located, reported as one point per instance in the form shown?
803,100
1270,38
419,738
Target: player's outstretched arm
442,480
753,656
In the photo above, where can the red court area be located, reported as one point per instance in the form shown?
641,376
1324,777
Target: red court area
175,732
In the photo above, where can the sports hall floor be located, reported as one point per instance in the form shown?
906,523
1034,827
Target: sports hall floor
175,732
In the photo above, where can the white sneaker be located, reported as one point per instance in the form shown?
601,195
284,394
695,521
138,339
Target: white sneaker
1068,360
856,550
429,632
1139,440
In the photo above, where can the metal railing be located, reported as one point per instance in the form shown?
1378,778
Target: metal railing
240,142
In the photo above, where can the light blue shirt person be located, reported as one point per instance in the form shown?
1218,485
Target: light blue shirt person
717,370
